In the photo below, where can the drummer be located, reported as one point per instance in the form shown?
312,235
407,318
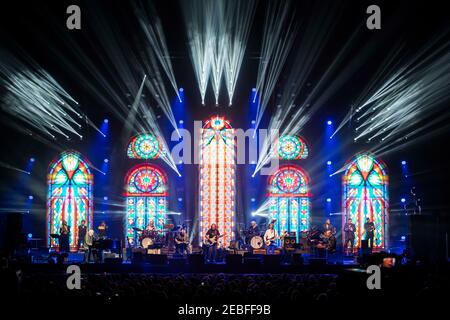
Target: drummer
252,231
150,230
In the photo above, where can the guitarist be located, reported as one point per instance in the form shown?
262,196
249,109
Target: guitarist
181,241
369,229
211,240
270,237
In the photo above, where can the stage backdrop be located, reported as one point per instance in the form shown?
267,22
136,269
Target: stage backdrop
217,178
70,196
365,195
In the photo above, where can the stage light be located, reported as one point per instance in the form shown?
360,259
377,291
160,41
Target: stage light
252,199
403,162
253,121
403,200
328,200
329,162
181,122
32,159
106,121
180,199
30,197
403,238
253,213
105,198
253,89
30,236
105,160
329,122
181,89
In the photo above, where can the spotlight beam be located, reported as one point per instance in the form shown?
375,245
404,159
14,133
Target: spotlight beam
401,97
278,38
152,28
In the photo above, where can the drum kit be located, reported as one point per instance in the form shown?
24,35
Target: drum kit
149,239
156,239
253,240
256,242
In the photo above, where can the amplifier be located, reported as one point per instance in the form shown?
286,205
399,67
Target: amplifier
290,242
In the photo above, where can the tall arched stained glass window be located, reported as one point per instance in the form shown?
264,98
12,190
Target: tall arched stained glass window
366,195
217,178
291,147
289,200
144,146
70,196
146,199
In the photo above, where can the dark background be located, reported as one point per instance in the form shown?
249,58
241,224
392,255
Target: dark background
38,29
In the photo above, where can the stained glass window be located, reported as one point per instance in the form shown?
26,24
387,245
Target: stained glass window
291,147
146,199
217,178
69,197
289,200
366,195
144,146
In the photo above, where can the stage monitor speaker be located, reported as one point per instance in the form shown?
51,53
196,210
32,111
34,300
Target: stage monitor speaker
272,260
297,259
178,261
252,262
365,249
137,257
156,259
112,260
364,244
233,259
196,259
317,262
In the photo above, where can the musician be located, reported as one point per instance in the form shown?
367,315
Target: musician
181,241
88,242
369,230
349,235
82,229
211,237
270,236
328,227
64,237
314,234
150,231
102,229
252,231
328,241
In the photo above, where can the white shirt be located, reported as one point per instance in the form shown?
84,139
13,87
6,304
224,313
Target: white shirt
271,234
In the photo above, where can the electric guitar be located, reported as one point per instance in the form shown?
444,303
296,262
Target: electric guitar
177,241
209,241
269,241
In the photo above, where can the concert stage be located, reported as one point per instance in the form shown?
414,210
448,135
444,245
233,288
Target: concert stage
226,148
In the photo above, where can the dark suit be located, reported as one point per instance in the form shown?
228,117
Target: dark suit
349,235
369,227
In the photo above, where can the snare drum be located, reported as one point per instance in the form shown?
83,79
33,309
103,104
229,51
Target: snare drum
146,242
256,242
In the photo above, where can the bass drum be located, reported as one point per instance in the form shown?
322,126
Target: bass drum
256,242
146,242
